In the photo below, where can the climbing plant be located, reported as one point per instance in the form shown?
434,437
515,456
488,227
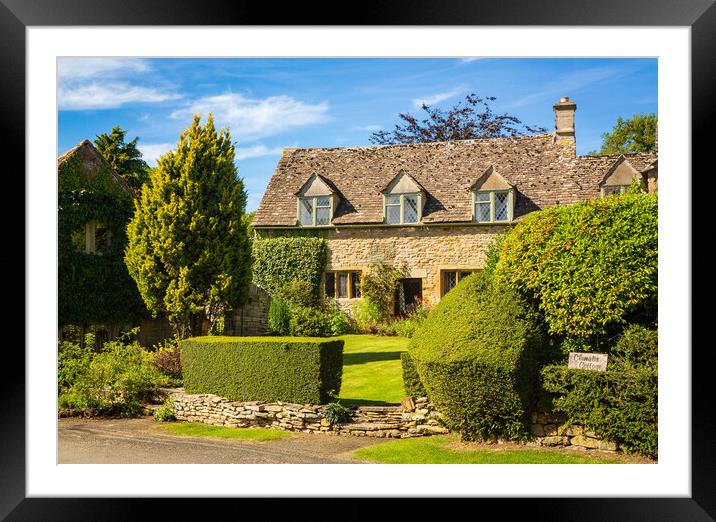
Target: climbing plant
93,287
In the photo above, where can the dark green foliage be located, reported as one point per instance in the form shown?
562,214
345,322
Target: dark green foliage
269,369
411,379
336,413
125,158
621,404
309,321
72,361
477,355
188,248
278,262
338,322
279,317
114,381
93,287
589,267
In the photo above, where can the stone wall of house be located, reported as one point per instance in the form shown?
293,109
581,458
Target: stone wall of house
251,319
416,419
426,251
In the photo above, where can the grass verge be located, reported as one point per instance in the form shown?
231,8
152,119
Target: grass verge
195,429
372,373
440,450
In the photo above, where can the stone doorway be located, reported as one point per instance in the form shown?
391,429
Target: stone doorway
409,291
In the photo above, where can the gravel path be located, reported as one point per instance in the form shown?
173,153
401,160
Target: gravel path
142,441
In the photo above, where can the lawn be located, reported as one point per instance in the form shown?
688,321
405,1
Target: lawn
446,450
372,373
194,429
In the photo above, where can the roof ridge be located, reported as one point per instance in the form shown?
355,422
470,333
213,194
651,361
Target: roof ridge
420,144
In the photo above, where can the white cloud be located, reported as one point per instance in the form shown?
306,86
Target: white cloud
97,95
250,119
470,59
432,99
370,128
257,151
152,151
74,68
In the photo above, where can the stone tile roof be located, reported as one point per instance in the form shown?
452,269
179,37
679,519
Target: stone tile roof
91,161
543,172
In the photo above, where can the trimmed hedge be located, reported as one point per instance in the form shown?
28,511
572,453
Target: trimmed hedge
301,370
591,267
411,379
477,355
621,404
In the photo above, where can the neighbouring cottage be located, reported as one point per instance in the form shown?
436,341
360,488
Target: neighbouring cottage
434,207
94,287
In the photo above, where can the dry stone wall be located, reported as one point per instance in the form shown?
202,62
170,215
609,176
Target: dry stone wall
415,417
366,421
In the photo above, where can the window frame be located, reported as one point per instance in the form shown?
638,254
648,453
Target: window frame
352,291
458,277
314,210
402,204
510,205
622,190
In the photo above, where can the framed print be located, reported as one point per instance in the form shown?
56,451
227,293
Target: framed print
156,46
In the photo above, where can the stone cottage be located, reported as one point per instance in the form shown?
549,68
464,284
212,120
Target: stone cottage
434,207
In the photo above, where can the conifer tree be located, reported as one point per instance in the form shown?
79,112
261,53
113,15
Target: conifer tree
188,247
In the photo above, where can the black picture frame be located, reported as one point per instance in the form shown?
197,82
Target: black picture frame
699,15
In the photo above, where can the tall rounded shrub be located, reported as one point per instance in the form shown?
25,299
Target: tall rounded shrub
477,355
589,267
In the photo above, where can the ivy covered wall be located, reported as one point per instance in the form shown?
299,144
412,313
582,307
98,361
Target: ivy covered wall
93,287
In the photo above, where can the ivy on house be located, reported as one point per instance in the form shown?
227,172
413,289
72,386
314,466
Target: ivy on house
93,288
280,261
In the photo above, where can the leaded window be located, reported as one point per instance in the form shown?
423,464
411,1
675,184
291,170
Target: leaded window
492,206
450,278
614,190
315,211
403,209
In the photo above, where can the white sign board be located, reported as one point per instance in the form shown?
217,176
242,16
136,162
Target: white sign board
588,361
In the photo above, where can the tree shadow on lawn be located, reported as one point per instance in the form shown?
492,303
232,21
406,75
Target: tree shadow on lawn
362,358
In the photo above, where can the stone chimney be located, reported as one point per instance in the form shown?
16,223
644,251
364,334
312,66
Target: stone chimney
564,123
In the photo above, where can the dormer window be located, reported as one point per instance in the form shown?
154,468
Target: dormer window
492,206
492,198
403,201
316,202
403,209
619,178
315,211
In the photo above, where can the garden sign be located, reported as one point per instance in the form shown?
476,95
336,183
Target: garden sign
588,361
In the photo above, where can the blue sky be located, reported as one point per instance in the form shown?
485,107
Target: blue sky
269,104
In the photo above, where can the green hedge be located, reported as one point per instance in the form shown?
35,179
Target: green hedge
411,379
621,404
590,267
477,355
291,369
280,261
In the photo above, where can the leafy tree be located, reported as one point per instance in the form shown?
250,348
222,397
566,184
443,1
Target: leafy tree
125,158
188,246
635,135
469,119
